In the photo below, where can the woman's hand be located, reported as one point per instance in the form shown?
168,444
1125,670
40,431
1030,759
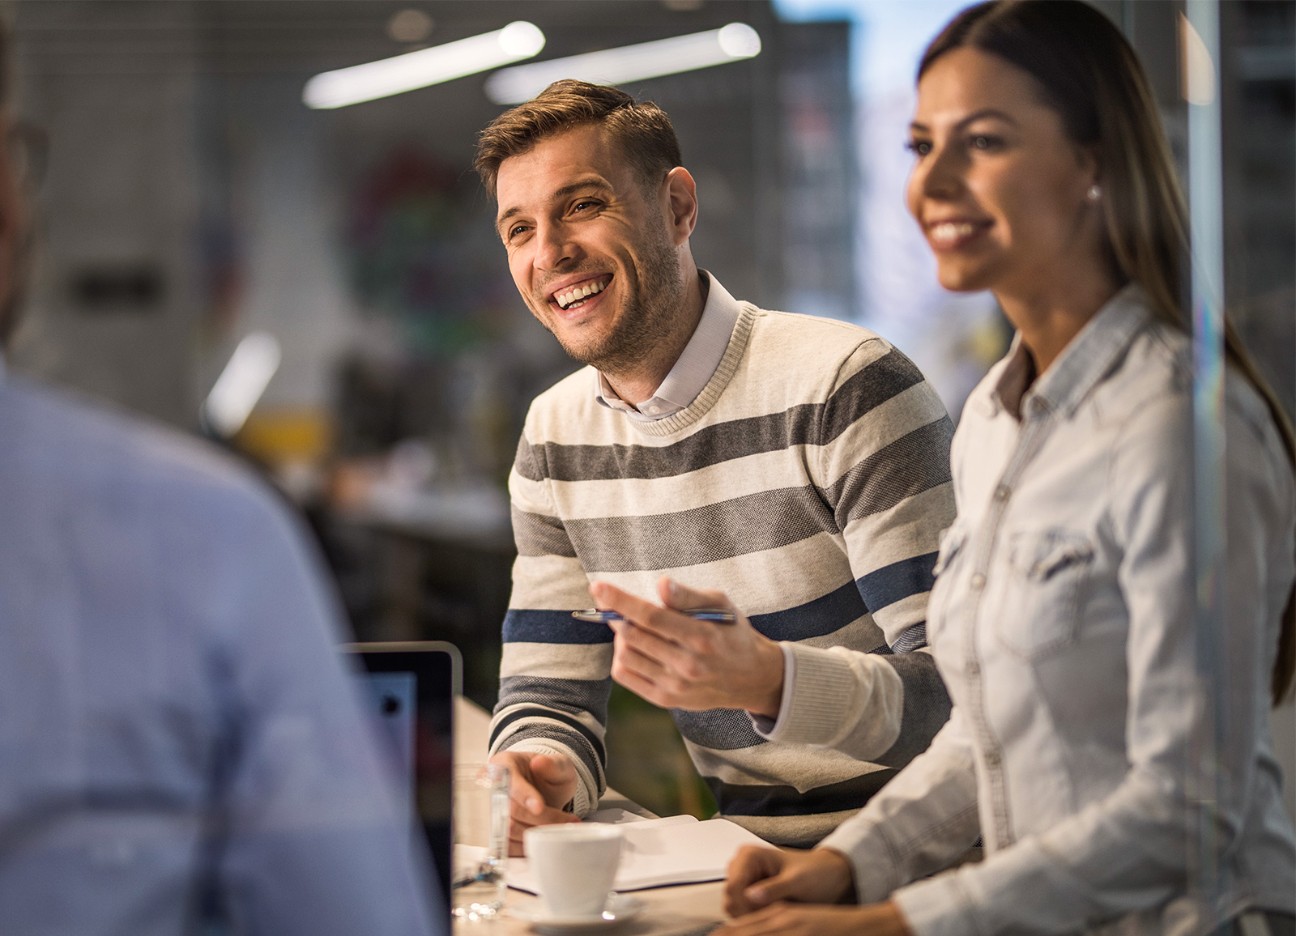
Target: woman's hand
757,877
788,919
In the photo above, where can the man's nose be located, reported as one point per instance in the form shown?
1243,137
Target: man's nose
555,247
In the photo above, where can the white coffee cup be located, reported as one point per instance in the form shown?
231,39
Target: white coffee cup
575,865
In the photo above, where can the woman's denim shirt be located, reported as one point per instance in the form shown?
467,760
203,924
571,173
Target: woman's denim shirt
1063,623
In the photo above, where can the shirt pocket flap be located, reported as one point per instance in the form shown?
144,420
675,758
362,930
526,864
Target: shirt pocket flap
1048,572
1040,556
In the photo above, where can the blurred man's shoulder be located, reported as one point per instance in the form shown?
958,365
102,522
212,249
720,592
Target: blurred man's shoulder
61,435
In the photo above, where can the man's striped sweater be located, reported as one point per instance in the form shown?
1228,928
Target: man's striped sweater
810,481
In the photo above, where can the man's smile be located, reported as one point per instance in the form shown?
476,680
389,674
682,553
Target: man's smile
573,296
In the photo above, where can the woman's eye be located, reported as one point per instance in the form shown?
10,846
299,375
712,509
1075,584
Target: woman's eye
919,147
982,141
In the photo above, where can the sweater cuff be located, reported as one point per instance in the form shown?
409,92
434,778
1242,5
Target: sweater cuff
816,686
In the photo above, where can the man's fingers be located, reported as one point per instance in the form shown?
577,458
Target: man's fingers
552,772
626,674
522,792
521,820
540,785
663,677
651,653
681,597
556,781
669,625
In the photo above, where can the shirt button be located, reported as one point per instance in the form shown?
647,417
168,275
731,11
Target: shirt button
1001,492
978,581
973,668
992,757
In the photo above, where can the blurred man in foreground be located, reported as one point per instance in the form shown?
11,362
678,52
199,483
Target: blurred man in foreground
180,745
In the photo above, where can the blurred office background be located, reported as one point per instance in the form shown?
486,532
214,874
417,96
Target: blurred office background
334,274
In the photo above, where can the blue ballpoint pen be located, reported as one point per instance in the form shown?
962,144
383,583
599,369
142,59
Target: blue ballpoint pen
714,615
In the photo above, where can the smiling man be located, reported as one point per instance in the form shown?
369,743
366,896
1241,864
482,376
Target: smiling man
791,470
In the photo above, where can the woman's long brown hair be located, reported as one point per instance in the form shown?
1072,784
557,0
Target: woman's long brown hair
1091,77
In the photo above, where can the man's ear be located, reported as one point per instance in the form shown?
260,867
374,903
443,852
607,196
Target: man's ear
681,194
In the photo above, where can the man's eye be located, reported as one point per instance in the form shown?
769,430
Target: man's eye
515,231
584,205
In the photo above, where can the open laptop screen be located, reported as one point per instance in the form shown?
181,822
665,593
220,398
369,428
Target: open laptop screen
412,687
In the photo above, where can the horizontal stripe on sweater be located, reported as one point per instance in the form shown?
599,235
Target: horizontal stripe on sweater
805,424
573,696
821,616
874,485
537,722
756,522
734,800
552,627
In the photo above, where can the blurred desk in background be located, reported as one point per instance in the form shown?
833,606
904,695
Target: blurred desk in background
473,515
429,562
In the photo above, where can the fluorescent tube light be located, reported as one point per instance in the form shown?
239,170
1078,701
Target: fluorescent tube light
241,383
628,63
413,70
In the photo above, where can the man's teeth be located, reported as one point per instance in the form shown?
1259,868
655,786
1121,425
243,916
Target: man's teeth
947,232
576,294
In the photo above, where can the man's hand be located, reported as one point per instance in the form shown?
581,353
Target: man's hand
757,877
540,785
784,919
676,661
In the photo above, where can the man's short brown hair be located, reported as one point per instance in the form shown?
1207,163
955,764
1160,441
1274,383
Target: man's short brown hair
640,128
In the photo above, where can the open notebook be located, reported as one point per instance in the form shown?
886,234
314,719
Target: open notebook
659,852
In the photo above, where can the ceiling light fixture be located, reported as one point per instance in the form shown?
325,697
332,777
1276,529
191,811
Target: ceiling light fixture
413,70
730,43
241,383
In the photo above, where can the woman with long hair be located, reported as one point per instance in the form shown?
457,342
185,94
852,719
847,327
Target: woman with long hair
1104,778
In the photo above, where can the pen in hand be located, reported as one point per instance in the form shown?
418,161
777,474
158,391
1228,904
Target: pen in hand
598,616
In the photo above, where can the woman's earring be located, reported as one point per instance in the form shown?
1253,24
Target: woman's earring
1094,193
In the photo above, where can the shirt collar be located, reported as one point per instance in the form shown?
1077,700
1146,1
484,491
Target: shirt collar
1081,364
694,367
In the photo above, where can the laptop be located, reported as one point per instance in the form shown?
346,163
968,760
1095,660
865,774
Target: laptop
412,688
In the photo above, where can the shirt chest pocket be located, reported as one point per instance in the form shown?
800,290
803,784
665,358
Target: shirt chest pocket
1047,578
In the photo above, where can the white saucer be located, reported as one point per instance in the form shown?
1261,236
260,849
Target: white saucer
619,908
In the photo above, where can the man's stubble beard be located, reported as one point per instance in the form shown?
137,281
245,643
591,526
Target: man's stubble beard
649,317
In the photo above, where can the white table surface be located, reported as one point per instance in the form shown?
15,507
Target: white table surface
684,910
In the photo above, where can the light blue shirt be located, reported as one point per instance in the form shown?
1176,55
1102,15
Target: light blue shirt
177,733
1062,623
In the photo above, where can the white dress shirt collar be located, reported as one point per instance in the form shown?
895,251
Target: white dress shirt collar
696,364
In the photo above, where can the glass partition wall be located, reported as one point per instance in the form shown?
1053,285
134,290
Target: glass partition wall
192,199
